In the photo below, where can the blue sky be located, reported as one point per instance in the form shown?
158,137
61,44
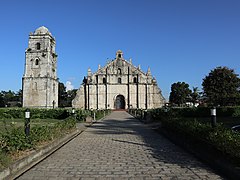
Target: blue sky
180,40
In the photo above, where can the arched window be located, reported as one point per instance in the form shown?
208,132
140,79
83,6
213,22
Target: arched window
119,71
119,80
104,80
38,46
134,80
37,62
119,55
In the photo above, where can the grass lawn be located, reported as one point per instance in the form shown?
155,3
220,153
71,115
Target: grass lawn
10,123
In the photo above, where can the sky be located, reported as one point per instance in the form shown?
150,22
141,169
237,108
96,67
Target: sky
180,40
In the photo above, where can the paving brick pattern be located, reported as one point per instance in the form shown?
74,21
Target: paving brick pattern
120,147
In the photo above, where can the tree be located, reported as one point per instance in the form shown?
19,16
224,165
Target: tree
2,103
195,95
10,98
70,96
65,97
180,93
221,87
62,95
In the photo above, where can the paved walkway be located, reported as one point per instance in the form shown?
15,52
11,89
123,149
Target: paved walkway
120,147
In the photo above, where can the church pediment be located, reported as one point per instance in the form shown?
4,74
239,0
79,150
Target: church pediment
120,64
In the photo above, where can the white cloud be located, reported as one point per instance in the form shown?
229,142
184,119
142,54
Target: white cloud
69,86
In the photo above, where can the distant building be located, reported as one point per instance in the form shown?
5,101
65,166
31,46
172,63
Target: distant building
119,85
40,82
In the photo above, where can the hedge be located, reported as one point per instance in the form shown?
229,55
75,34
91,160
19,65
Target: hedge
58,113
197,112
18,113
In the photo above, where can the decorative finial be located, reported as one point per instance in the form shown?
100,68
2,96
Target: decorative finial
99,67
139,67
149,72
130,60
89,72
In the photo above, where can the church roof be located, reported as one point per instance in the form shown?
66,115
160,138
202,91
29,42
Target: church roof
42,30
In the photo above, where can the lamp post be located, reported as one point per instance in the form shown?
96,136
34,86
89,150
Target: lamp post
73,112
213,117
27,122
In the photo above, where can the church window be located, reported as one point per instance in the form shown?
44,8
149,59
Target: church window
134,80
38,46
119,80
119,71
119,55
104,81
37,62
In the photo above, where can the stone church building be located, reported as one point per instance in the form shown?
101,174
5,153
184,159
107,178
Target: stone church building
40,82
119,85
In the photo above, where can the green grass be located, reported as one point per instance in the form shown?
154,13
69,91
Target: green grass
11,123
5,160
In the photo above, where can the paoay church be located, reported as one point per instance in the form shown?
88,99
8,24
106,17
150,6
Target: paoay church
119,85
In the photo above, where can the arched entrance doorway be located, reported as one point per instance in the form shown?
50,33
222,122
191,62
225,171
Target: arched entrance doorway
120,102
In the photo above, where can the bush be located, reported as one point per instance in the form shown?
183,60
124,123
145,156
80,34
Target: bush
197,112
16,140
18,113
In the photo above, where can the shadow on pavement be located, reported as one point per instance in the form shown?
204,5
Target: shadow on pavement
124,129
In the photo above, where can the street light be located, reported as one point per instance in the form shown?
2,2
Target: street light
27,122
73,110
213,117
73,113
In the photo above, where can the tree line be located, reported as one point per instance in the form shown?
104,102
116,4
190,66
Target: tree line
221,87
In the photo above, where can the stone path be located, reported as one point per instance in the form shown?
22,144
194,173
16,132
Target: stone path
120,147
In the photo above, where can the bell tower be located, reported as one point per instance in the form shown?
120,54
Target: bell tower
40,82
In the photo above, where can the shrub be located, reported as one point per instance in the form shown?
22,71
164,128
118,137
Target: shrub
18,113
16,140
223,139
197,112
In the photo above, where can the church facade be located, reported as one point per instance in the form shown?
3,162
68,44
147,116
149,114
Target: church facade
40,82
119,85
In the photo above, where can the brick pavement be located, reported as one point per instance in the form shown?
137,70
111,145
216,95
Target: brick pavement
120,147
